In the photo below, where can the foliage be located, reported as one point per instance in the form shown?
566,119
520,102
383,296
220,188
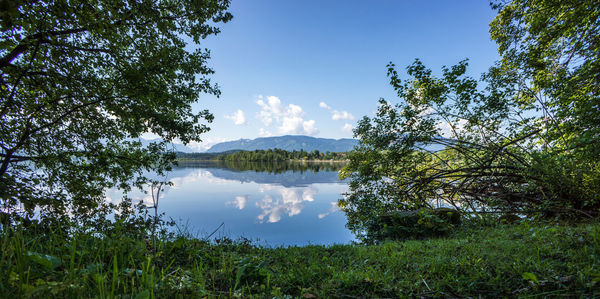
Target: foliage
269,155
550,52
268,167
81,80
412,224
276,168
502,261
512,142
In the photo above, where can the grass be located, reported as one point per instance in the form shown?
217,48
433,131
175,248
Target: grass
526,260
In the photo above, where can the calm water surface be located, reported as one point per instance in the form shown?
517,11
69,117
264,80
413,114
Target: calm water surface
283,207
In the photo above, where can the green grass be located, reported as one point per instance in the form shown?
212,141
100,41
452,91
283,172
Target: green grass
507,261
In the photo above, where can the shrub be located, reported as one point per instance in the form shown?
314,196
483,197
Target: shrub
423,223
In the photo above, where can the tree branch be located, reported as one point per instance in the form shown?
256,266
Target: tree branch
27,42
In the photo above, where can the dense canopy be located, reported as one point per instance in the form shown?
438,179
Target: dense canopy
80,81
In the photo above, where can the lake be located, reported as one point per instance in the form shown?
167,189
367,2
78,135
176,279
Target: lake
274,204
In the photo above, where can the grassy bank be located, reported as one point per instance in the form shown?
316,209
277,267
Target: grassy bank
520,260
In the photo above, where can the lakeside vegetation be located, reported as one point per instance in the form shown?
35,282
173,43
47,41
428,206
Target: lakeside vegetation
526,259
269,155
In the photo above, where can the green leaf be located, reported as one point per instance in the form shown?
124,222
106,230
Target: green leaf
47,261
143,295
530,277
94,268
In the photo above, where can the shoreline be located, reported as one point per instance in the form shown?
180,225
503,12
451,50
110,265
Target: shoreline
255,161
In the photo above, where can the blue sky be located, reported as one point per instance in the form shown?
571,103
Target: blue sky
317,67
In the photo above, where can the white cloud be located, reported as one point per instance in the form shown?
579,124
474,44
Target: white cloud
196,176
347,128
324,106
332,209
295,110
149,136
239,202
262,188
264,133
290,125
290,118
291,203
270,110
310,128
271,209
308,194
339,115
206,144
238,117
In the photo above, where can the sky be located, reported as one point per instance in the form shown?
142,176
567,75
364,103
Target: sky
317,67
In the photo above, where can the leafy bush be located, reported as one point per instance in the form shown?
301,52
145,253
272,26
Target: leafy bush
422,223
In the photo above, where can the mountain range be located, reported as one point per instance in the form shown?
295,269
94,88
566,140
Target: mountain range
288,143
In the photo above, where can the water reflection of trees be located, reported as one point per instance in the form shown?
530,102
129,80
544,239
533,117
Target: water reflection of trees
269,167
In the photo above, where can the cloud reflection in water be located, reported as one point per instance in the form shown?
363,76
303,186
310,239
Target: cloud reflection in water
239,202
334,208
289,201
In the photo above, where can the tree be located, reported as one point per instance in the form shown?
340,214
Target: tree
81,80
551,58
517,141
550,51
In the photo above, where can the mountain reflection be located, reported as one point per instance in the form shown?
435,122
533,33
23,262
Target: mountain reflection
265,166
285,174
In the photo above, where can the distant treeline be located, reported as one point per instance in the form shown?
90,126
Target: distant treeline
270,155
